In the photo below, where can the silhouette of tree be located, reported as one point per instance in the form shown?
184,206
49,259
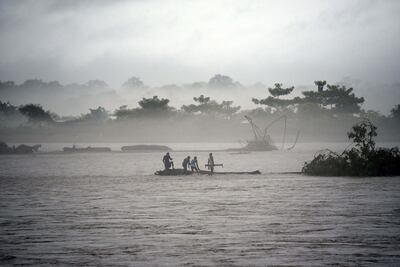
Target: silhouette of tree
274,101
155,104
7,85
207,106
339,98
148,107
99,114
320,85
395,113
278,91
7,109
133,83
36,113
96,84
221,81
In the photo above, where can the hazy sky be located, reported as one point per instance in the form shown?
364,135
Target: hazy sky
182,41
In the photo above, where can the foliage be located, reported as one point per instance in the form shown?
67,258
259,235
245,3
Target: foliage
6,109
99,114
320,85
274,101
395,113
339,98
155,104
362,160
96,84
133,82
278,91
221,81
36,113
148,107
207,106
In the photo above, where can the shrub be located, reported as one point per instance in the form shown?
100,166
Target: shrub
361,160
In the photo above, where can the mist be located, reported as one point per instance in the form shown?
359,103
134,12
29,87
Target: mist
173,42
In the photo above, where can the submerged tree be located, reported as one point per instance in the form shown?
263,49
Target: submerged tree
364,159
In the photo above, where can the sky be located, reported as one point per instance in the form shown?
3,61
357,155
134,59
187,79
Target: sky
166,42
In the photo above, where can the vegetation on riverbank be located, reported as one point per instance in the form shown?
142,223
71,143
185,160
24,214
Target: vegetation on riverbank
363,159
320,114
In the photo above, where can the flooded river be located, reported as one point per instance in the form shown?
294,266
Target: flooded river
108,209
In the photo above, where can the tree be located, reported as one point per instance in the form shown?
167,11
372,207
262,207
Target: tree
278,91
221,81
320,85
133,83
207,106
96,84
274,101
395,113
155,104
7,109
36,113
339,98
148,107
99,114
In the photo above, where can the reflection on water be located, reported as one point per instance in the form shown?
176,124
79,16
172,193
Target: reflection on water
108,209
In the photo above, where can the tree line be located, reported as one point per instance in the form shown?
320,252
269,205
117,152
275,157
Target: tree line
326,100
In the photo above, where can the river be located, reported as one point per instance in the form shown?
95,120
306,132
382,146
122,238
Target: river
109,209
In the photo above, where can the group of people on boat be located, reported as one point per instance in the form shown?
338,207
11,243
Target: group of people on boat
188,163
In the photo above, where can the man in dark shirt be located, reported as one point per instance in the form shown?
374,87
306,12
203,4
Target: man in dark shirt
167,160
186,163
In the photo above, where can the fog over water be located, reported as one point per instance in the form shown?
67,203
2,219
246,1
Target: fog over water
298,101
180,42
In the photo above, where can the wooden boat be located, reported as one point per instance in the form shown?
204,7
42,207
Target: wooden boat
178,172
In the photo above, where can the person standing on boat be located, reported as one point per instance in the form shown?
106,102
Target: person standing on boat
186,163
211,163
167,160
194,165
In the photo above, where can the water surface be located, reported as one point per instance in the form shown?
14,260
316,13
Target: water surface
105,209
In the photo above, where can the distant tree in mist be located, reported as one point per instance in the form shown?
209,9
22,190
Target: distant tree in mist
99,114
10,116
339,98
151,107
205,105
278,91
170,87
320,85
222,81
395,113
133,83
196,85
7,109
274,101
36,113
154,104
6,85
97,84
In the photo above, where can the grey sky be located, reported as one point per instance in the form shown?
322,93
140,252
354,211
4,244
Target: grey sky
294,42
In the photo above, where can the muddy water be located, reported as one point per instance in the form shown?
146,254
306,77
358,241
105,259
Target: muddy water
108,209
